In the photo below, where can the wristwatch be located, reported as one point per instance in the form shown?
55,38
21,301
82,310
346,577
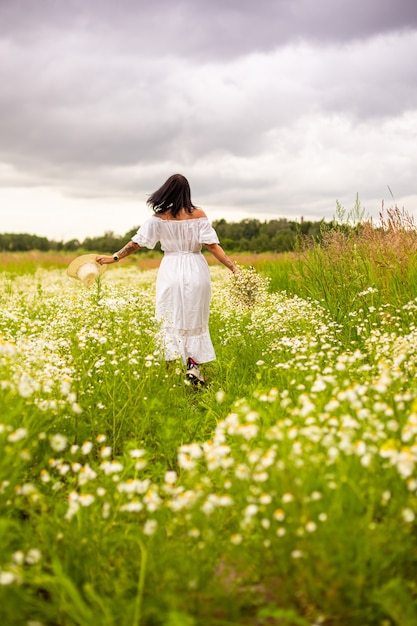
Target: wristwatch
115,257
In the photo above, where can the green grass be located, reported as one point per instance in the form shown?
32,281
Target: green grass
283,493
280,271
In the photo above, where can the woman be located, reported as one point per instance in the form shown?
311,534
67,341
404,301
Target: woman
183,286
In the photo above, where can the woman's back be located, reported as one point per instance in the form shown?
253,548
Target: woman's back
185,233
181,235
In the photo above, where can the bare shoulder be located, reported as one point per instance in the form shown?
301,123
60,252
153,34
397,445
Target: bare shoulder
198,213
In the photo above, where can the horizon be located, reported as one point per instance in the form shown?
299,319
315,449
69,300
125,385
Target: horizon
298,220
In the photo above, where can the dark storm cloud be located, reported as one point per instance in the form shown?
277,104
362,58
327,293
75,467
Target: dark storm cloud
204,29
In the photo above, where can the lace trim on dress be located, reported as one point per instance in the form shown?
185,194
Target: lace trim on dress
198,347
179,332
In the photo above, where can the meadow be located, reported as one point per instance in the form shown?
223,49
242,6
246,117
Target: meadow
281,493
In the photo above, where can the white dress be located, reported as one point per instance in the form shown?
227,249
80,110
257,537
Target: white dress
183,285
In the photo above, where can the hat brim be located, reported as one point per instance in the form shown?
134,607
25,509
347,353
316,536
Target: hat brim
74,266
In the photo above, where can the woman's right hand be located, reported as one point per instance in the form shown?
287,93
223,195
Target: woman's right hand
104,259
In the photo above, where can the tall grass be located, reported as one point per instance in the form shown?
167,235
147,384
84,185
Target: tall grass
381,255
355,269
279,269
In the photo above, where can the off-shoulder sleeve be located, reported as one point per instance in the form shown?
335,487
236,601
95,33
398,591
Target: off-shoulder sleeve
207,233
148,234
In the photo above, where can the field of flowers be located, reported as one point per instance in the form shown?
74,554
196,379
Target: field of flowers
282,493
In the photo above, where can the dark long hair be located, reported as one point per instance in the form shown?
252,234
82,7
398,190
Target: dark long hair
174,195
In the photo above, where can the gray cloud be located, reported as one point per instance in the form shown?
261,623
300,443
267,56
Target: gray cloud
219,28
73,113
273,105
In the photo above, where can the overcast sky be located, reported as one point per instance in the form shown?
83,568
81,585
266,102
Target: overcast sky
271,108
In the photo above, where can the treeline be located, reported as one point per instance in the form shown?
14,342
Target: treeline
22,242
270,236
252,235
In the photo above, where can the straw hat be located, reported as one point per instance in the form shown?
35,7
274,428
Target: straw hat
86,269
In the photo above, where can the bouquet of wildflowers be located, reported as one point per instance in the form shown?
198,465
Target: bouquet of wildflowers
247,288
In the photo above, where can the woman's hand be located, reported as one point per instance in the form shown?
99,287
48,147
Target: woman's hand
105,259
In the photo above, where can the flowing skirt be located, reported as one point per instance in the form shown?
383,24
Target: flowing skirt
183,294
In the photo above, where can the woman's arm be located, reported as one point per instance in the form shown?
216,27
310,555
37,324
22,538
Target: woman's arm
221,256
129,248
